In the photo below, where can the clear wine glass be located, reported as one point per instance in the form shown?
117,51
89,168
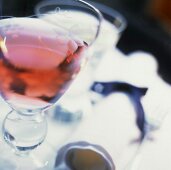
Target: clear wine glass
43,47
69,111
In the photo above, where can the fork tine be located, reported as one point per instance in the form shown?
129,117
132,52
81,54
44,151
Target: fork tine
156,108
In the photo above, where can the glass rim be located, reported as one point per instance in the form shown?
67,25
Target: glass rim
90,6
113,13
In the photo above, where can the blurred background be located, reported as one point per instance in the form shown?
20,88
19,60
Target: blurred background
148,27
149,30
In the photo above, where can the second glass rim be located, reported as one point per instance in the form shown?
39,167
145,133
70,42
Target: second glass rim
89,5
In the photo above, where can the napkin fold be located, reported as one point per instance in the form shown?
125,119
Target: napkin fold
133,92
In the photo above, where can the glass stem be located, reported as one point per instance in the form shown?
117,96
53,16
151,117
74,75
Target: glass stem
24,132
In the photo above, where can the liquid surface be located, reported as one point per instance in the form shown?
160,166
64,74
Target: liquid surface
38,61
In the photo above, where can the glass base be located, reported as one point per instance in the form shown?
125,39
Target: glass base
25,147
42,158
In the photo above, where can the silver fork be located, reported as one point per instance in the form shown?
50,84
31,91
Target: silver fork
156,107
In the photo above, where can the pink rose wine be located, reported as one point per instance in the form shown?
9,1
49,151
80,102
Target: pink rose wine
38,62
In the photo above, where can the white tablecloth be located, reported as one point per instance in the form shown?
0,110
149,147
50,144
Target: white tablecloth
112,121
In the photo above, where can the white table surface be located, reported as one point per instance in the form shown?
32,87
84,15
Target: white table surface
112,121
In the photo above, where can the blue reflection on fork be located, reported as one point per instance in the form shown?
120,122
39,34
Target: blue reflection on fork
133,92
